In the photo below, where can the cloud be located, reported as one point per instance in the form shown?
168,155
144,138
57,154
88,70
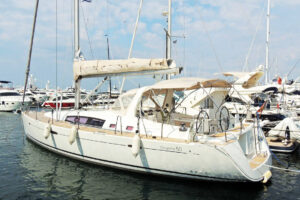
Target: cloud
215,31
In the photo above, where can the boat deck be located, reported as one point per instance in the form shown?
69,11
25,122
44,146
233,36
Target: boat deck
257,160
233,130
41,117
278,145
272,141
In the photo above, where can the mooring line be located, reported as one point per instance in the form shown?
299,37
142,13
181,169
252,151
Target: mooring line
278,160
284,169
281,163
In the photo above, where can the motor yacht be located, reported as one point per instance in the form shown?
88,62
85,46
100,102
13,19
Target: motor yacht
10,99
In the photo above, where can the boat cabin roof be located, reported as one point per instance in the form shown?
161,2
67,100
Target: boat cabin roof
183,84
6,82
129,101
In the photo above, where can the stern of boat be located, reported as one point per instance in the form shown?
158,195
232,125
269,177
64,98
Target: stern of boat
251,154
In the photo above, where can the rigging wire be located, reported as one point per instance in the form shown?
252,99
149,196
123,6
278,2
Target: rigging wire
132,40
184,45
56,27
56,45
245,68
293,67
135,83
71,28
211,43
86,30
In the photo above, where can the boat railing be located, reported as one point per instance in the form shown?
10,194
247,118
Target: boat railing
184,110
119,118
37,108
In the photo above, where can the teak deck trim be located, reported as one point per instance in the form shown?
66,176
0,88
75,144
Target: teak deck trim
257,161
279,143
41,117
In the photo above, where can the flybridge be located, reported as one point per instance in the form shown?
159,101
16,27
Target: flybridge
6,82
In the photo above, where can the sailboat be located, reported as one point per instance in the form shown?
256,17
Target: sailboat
145,130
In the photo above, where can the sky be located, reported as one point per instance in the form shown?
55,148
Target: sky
209,37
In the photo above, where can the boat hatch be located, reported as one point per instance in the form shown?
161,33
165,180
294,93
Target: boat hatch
89,121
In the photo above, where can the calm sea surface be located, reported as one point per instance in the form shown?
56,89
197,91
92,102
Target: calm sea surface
30,172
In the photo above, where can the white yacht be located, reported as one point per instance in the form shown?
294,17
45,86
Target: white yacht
144,134
10,99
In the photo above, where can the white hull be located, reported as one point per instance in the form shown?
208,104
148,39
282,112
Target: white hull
291,123
184,160
12,103
9,106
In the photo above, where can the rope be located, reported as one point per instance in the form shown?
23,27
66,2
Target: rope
278,160
280,168
283,169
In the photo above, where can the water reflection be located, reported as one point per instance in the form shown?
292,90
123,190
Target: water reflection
59,177
285,184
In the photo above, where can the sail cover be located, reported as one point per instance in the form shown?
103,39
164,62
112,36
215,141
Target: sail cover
96,68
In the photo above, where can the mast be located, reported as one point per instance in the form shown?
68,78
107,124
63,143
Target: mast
76,29
76,51
30,50
108,58
267,44
168,56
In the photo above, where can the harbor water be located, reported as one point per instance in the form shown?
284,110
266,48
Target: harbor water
30,172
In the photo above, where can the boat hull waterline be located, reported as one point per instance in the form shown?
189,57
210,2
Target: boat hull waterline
182,160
